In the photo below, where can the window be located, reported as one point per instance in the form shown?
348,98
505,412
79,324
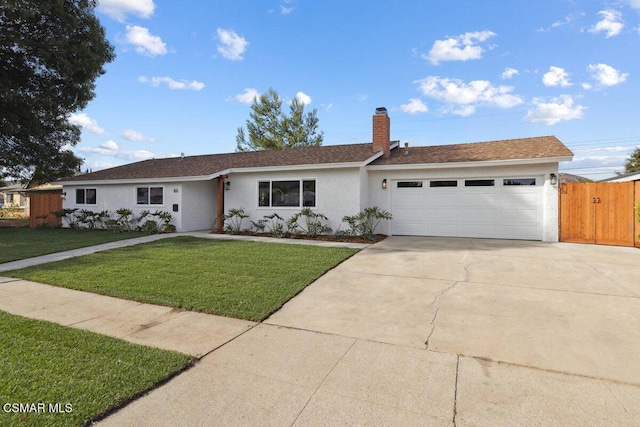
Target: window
287,193
519,181
438,184
479,182
86,196
149,195
409,184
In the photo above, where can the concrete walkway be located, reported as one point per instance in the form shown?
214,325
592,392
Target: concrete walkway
418,331
15,265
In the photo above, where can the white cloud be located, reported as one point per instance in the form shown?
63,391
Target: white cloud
144,42
461,48
508,73
556,76
86,123
303,98
246,97
587,86
119,9
111,149
171,83
231,46
462,98
133,135
634,4
558,109
606,75
611,23
610,149
414,106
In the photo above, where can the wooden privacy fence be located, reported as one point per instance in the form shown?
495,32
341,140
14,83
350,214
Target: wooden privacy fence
43,203
600,213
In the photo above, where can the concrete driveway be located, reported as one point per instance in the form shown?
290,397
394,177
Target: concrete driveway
431,331
570,312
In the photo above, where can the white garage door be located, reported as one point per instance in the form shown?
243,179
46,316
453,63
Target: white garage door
503,208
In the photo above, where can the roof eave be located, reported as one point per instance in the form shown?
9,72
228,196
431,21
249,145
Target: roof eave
309,166
141,180
482,163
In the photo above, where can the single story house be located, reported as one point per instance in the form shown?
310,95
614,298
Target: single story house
498,189
623,177
12,196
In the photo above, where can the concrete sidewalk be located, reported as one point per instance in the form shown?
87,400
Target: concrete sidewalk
169,328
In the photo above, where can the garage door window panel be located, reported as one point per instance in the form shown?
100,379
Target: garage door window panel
409,184
518,181
443,184
479,182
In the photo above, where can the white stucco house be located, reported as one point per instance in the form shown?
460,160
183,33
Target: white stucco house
497,189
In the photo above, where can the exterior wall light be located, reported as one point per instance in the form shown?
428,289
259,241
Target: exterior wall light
384,184
554,179
227,185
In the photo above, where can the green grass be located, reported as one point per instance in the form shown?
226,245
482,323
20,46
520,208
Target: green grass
21,243
246,280
41,362
14,222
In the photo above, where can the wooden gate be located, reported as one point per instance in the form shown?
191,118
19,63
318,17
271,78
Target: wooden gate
43,203
599,213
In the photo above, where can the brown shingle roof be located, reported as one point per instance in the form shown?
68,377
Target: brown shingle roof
213,163
193,166
508,149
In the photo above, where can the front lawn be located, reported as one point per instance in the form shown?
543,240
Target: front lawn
66,377
246,280
21,243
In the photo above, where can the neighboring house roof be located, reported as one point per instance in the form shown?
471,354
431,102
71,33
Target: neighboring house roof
568,178
623,177
210,166
44,188
508,149
12,188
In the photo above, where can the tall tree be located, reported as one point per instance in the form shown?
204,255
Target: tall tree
268,128
632,164
51,53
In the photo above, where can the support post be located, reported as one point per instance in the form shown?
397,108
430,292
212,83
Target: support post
220,204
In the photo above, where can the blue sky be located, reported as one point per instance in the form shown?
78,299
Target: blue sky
447,72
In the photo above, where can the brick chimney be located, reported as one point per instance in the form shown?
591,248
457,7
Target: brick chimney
382,132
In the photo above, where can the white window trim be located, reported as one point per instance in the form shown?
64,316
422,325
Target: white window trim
149,187
75,196
300,201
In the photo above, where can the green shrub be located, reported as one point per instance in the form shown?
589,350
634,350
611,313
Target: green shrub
235,216
125,220
275,225
311,225
364,223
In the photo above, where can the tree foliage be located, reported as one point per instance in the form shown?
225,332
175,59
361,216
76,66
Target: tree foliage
51,53
632,164
269,128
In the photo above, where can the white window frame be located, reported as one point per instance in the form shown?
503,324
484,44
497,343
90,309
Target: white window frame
300,204
148,187
84,190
